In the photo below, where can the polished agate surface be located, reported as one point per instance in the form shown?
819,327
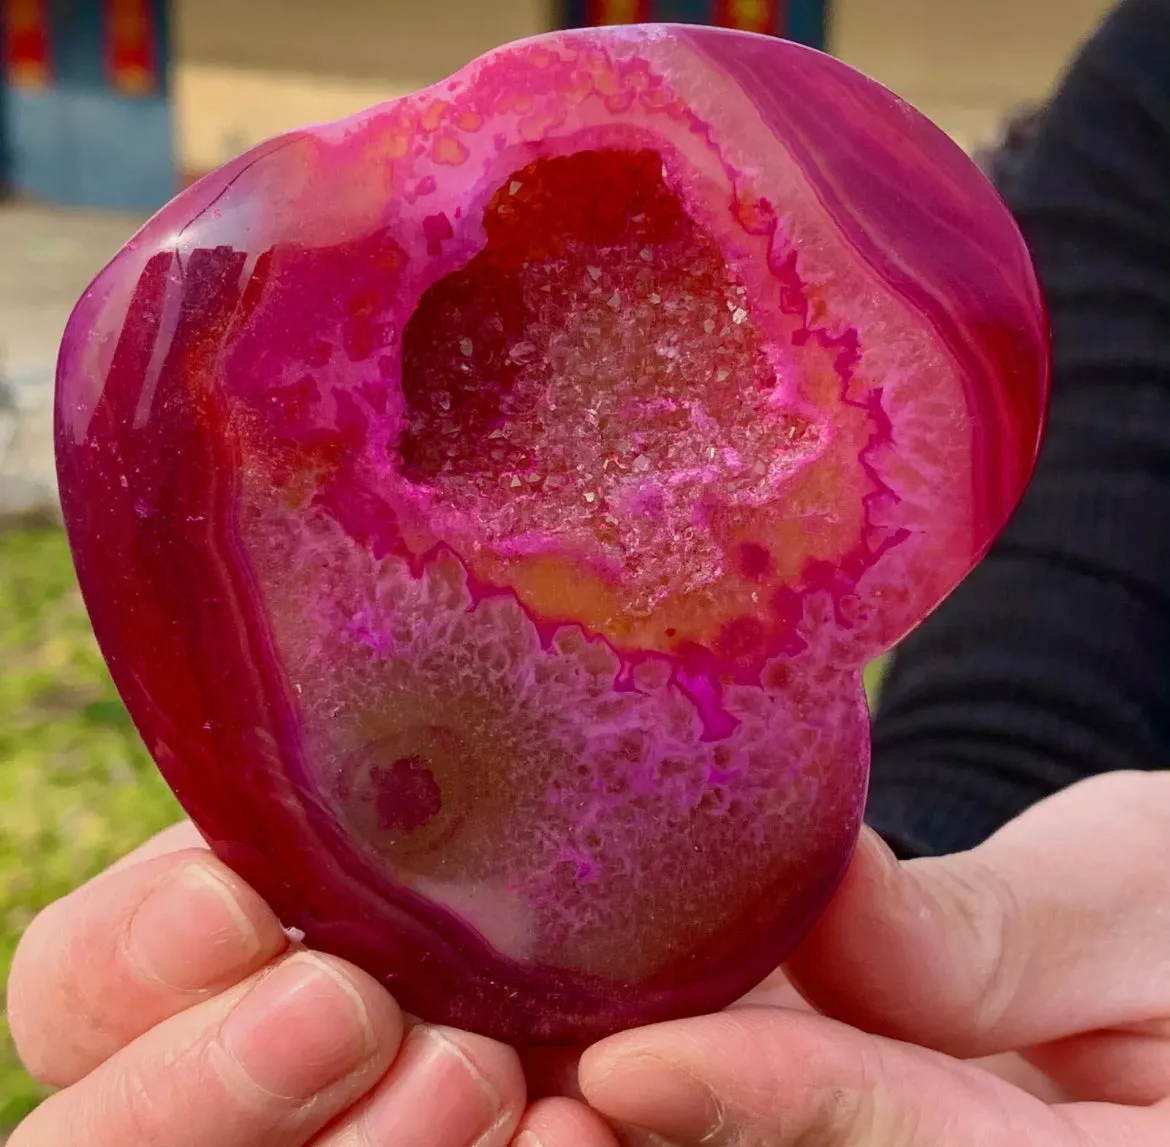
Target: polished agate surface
487,505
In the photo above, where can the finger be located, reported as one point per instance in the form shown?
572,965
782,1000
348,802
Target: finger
1055,926
446,1089
777,991
563,1123
790,1080
1129,1067
119,955
267,1064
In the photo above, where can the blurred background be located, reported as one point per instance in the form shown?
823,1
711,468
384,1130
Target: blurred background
107,107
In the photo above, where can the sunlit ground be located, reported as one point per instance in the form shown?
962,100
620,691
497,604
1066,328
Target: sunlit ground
77,789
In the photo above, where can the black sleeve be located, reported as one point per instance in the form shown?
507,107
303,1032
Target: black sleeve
1052,661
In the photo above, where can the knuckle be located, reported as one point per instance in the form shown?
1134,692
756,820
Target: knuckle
847,1117
131,1101
841,1100
64,1002
843,1118
869,1112
58,1031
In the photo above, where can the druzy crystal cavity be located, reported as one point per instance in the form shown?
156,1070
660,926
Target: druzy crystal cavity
487,505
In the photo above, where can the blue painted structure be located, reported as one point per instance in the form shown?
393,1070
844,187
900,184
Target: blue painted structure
5,153
807,20
78,142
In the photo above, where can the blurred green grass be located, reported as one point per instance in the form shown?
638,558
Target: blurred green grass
77,788
874,676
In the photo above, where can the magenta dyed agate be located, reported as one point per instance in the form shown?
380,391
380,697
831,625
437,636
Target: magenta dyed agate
487,505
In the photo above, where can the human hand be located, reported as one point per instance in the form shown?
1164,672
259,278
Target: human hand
1051,940
167,1002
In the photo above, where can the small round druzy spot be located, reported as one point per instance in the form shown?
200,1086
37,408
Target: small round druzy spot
407,794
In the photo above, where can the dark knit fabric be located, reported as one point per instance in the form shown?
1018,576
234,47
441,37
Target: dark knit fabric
1052,661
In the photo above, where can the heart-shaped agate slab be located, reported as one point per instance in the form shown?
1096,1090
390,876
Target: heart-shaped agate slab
487,505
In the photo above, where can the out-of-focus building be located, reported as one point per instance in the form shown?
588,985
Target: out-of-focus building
85,107
113,103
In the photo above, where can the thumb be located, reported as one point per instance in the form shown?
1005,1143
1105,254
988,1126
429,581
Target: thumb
1057,925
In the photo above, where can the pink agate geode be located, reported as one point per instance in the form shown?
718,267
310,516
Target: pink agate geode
487,505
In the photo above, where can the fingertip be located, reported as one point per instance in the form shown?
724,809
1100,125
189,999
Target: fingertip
494,1067
607,1067
272,936
387,1024
875,847
564,1122
841,958
647,1088
874,875
200,927
598,1062
443,1084
913,951
872,890
301,1027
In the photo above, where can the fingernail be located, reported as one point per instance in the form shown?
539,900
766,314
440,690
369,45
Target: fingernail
434,1073
191,932
654,1096
299,1029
